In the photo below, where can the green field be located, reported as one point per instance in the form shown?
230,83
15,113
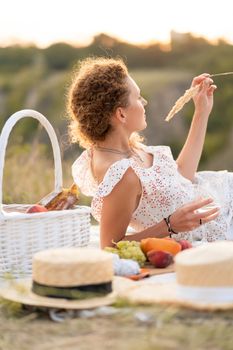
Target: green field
165,328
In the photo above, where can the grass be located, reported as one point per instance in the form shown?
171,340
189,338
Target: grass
166,328
29,174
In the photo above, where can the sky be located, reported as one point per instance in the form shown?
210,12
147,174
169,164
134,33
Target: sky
77,21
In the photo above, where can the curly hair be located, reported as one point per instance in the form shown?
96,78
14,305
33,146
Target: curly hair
99,87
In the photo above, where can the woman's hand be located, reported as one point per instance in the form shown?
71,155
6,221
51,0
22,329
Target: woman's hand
203,101
188,217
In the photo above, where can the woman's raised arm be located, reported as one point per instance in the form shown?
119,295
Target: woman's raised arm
190,154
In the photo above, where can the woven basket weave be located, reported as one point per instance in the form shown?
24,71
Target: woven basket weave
23,234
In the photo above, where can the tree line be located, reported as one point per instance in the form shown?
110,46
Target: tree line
187,51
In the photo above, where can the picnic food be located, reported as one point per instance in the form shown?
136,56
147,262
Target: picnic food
159,258
128,250
72,273
36,208
64,200
164,244
184,244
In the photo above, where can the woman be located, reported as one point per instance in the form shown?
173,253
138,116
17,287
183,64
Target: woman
136,185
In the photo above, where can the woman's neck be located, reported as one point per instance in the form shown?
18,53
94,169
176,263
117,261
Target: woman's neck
121,144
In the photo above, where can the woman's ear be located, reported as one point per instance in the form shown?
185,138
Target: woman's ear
120,115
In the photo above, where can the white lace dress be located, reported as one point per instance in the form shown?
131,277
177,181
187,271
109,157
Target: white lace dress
164,190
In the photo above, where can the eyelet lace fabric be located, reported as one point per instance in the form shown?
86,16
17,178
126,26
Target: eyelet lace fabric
164,190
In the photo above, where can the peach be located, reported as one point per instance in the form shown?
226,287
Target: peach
36,208
185,244
159,258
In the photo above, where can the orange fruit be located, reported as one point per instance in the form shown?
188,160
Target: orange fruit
168,245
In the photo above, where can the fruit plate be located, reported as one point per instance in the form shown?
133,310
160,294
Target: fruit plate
150,270
158,271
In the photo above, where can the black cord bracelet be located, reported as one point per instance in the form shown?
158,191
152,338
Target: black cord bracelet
170,230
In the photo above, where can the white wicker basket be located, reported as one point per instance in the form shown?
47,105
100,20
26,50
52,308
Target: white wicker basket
22,234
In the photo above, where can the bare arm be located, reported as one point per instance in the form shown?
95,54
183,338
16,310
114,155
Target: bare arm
190,154
120,204
117,210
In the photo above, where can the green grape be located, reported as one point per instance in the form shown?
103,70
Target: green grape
125,254
134,250
122,244
131,250
135,244
127,244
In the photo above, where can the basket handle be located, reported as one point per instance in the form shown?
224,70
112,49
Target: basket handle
53,138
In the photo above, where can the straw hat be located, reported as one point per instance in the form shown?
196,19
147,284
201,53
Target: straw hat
203,280
67,278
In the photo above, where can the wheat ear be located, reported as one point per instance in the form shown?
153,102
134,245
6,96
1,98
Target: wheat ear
190,93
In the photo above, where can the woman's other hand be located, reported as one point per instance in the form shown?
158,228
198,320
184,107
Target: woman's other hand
189,216
203,101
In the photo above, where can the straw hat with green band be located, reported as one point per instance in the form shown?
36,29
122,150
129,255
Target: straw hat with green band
70,278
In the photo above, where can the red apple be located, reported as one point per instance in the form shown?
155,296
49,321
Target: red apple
36,208
159,258
185,244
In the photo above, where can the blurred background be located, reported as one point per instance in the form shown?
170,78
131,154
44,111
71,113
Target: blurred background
164,43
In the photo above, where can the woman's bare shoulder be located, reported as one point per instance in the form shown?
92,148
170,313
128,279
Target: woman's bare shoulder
101,165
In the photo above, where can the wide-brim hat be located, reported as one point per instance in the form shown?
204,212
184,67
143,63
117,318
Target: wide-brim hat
66,278
203,280
21,292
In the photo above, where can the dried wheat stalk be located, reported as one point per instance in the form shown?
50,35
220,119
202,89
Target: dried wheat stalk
190,93
218,74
